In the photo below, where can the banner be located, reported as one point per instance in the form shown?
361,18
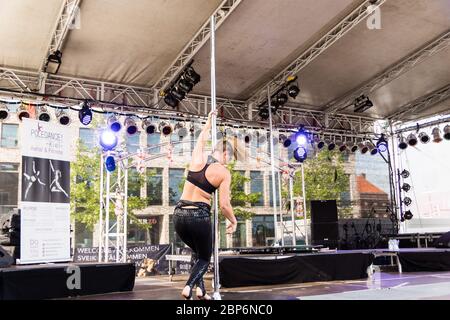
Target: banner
149,259
45,196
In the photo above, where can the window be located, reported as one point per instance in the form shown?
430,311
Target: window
176,177
276,189
9,136
152,141
133,143
262,230
87,137
134,183
9,186
257,185
154,186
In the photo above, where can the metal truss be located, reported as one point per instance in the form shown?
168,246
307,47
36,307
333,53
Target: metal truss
415,107
337,32
195,44
397,69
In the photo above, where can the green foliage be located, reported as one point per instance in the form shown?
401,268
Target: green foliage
325,178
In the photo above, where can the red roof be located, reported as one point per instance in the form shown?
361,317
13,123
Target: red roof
364,186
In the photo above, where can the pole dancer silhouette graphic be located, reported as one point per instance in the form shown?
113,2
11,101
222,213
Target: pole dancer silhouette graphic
32,178
55,186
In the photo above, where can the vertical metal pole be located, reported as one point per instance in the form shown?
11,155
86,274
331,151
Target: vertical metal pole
119,219
291,198
125,214
107,200
101,233
305,222
216,294
272,163
281,208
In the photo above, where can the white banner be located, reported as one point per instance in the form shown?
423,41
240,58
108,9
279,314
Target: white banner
45,200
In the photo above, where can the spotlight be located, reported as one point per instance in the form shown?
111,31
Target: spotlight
362,103
293,91
436,133
185,84
407,201
424,137
341,145
402,145
281,99
287,143
22,112
382,144
182,131
192,76
264,113
373,150
170,100
110,163
130,126
63,117
300,154
43,114
352,146
247,137
108,140
177,93
331,146
149,127
85,114
411,139
447,132
363,147
301,137
408,215
406,187
282,138
4,112
404,174
165,128
114,124
53,62
262,137
320,144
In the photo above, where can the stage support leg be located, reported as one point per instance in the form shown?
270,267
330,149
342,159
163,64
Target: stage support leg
216,285
305,220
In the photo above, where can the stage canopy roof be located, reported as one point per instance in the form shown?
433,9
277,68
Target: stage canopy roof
405,63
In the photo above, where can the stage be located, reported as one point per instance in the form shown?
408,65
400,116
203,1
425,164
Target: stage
49,281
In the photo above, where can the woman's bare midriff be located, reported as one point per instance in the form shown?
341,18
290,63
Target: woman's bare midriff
195,194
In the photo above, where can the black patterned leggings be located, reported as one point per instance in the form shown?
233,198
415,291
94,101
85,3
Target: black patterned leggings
193,226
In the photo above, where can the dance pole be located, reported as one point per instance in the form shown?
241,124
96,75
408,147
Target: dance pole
304,206
125,214
272,163
291,196
216,294
100,238
108,184
281,208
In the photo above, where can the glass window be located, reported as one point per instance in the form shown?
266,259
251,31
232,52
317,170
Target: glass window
257,185
176,177
9,186
154,140
133,143
87,137
134,183
154,186
276,188
262,230
9,136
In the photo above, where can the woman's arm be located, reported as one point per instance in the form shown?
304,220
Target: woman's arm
197,153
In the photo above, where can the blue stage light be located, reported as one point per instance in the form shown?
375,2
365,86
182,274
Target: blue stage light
108,140
382,144
110,163
85,114
300,154
301,137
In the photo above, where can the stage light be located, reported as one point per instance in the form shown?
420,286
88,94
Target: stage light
382,144
130,126
192,128
373,150
404,174
262,137
148,126
264,113
300,154
192,76
182,131
247,137
301,137
352,146
424,137
402,145
281,99
177,93
282,138
114,124
287,143
362,103
43,114
436,133
411,139
447,132
53,62
320,144
406,187
293,91
341,145
110,163
85,114
363,147
185,84
170,100
331,146
22,112
108,140
63,117
408,215
4,112
407,201
165,128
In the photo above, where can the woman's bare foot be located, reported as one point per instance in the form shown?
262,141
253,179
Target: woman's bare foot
187,293
202,295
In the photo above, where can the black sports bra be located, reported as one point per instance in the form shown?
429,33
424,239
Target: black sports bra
198,178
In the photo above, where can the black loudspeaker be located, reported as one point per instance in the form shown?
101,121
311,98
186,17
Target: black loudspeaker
324,223
443,241
5,259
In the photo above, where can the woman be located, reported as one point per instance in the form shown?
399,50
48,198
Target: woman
192,214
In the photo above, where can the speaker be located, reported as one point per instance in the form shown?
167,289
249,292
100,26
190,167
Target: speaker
5,258
443,241
324,223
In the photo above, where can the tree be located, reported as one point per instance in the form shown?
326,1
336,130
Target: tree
325,178
85,189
